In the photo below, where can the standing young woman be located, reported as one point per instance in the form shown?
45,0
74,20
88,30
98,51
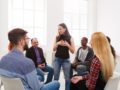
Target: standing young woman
63,44
101,69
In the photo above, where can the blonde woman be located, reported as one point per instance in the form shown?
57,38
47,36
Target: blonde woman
101,67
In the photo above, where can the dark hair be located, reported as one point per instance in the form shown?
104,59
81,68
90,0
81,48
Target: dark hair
66,35
65,27
108,38
112,48
15,35
85,38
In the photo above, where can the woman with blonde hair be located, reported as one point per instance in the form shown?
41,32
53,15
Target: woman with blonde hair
101,69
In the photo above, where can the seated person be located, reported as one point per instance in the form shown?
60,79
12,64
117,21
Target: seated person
36,54
101,68
83,58
112,48
16,65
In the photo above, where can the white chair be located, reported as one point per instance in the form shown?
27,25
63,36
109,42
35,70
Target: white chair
12,83
113,83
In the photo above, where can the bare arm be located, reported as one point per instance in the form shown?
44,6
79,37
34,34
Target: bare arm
55,45
72,46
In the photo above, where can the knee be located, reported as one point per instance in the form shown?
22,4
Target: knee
56,84
81,67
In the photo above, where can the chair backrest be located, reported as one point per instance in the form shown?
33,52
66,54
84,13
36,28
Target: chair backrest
12,83
113,83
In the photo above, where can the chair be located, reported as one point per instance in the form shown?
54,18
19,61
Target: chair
12,83
113,83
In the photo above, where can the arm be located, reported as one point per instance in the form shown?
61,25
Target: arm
72,46
42,56
94,74
33,81
56,45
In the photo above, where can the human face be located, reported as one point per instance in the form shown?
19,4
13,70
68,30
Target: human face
35,42
83,42
61,30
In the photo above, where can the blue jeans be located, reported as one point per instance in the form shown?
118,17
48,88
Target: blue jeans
54,85
40,74
65,64
46,69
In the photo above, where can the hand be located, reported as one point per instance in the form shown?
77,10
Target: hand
58,43
41,65
76,79
66,44
61,43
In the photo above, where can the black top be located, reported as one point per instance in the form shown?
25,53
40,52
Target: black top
62,51
100,84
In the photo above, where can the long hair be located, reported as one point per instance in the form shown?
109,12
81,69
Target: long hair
102,50
112,48
66,29
67,35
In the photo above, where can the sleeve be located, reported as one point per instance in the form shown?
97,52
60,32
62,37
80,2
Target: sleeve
33,81
27,54
94,73
77,53
42,54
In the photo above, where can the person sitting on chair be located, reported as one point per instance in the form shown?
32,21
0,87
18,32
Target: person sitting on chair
83,58
102,66
36,54
15,65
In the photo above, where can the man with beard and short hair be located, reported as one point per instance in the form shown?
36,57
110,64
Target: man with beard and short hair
16,65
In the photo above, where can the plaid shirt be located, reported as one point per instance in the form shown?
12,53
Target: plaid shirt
92,77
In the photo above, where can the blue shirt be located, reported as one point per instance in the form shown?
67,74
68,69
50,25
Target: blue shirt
16,65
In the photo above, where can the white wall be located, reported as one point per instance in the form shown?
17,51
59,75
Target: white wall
54,17
108,20
92,16
103,16
3,26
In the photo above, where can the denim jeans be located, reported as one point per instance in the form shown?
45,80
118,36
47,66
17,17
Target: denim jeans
65,64
54,85
40,74
48,69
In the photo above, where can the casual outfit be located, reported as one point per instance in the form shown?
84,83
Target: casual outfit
92,81
36,54
16,65
82,61
62,60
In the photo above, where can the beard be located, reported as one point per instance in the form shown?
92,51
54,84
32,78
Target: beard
25,47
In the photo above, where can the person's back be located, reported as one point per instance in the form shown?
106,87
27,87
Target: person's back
15,65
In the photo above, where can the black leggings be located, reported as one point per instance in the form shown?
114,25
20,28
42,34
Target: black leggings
81,85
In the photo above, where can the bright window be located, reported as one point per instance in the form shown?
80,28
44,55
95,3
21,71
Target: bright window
76,17
29,15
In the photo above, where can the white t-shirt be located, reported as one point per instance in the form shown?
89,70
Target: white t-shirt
82,54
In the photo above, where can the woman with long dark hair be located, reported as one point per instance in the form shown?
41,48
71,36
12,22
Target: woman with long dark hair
63,44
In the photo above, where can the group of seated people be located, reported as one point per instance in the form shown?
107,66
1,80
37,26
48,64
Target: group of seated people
89,63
